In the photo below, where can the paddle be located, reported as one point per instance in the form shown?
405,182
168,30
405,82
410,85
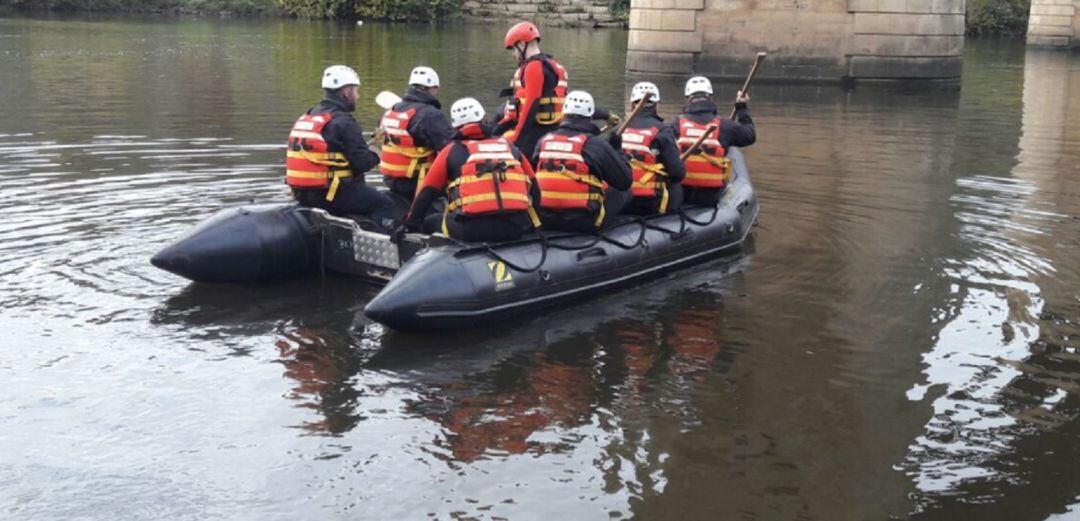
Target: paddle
630,117
697,143
750,78
387,99
384,99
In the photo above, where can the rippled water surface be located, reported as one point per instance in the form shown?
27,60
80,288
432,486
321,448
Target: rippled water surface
900,340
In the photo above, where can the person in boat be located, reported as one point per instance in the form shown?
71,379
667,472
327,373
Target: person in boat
650,145
539,89
415,129
489,186
707,169
327,156
582,177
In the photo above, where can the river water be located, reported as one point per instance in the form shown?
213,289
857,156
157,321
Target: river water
901,339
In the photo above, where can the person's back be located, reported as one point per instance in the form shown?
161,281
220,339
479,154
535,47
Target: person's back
415,129
707,167
327,156
488,185
650,145
582,178
539,89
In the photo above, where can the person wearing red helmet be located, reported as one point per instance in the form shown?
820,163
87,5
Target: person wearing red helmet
539,88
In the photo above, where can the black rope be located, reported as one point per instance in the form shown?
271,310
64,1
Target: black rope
543,257
715,212
640,240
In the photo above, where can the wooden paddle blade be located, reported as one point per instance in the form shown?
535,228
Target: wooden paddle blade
387,99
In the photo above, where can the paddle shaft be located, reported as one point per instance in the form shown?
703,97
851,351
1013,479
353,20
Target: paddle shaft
750,77
700,140
633,114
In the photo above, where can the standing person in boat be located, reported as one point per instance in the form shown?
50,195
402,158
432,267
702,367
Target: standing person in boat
415,130
582,177
539,89
650,145
327,155
707,169
489,186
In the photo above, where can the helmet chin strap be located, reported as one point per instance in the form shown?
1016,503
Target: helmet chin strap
521,47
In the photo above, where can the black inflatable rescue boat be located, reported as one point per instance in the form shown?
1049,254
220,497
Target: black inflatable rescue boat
461,285
433,282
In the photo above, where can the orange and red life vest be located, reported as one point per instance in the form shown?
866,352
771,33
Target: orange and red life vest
707,167
650,178
566,183
550,105
401,158
492,181
308,162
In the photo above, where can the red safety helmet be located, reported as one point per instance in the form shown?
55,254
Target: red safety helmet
522,32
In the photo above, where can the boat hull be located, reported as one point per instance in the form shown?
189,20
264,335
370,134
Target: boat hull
457,286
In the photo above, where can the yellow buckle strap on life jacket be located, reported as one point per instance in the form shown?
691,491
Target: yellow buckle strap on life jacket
656,169
507,176
590,180
323,159
457,203
588,197
336,182
416,154
480,198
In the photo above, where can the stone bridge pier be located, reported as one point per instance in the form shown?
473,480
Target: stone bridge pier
1054,23
819,41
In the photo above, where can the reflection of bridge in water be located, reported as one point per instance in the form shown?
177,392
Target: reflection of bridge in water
822,41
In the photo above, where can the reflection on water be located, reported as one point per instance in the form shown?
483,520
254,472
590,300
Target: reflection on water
901,341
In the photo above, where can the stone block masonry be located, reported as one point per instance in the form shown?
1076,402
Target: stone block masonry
592,13
1054,23
821,41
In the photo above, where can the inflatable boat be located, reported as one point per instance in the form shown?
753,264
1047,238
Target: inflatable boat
434,282
461,285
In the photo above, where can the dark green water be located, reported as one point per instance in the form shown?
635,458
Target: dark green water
901,340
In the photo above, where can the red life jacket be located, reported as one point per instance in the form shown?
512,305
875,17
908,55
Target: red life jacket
650,179
549,110
566,183
401,158
308,162
706,167
492,181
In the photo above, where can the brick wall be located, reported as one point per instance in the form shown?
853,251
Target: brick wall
567,12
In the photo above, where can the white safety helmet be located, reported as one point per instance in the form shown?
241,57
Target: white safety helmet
579,103
424,77
639,90
465,111
698,85
338,76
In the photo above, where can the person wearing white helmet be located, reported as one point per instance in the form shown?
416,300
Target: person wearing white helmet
707,167
489,186
649,145
415,129
573,164
327,156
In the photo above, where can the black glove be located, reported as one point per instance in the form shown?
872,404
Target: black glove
615,140
398,234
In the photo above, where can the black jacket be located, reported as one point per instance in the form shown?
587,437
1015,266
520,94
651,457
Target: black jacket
605,162
732,133
343,134
428,127
665,142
